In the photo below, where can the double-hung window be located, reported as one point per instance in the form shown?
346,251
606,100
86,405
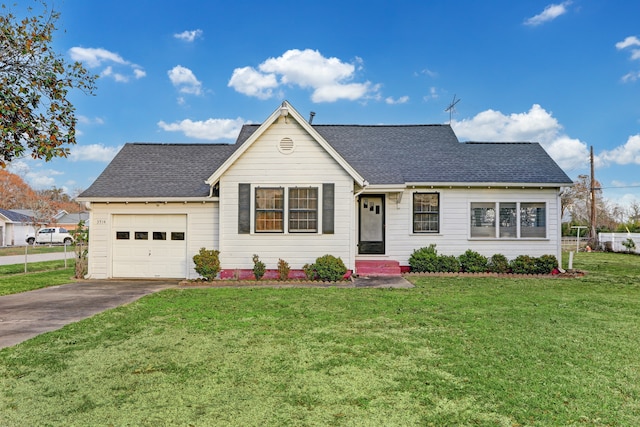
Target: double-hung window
426,212
269,210
303,210
508,220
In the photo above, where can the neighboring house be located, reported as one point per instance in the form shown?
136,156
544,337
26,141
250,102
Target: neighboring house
14,227
70,220
288,189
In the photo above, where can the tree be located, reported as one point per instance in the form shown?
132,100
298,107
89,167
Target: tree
14,192
36,116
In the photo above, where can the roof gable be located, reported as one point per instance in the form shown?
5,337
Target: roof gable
249,135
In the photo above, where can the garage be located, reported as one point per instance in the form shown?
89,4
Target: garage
146,246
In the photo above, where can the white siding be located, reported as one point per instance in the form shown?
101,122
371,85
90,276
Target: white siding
264,165
202,227
453,238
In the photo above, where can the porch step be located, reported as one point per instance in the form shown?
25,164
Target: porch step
378,268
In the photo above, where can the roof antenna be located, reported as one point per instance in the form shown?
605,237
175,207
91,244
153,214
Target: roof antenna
452,107
311,116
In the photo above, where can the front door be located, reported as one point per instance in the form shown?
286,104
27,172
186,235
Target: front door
371,240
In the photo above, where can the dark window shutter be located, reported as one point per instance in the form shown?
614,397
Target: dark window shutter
244,208
328,197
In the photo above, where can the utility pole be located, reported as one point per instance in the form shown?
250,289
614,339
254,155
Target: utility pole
594,236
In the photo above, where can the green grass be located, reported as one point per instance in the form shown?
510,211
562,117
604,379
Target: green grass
39,249
452,351
49,273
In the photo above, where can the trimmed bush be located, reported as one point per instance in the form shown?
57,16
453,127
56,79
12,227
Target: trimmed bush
424,260
523,264
498,263
448,264
207,263
329,268
283,269
473,262
546,264
258,267
309,271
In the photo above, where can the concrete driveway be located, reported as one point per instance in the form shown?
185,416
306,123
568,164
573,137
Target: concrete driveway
27,314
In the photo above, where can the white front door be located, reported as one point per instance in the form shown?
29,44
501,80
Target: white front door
149,246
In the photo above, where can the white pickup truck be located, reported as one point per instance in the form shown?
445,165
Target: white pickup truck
51,235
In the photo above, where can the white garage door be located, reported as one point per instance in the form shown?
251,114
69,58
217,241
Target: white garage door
149,246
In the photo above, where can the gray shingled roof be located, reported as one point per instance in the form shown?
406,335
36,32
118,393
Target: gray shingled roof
387,154
15,216
160,170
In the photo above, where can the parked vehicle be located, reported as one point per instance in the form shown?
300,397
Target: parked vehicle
51,235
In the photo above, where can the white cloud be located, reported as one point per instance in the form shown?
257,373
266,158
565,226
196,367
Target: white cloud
93,153
188,36
631,42
37,178
329,78
93,57
549,13
139,72
402,100
184,79
210,129
628,42
629,153
536,125
89,121
97,57
433,94
249,81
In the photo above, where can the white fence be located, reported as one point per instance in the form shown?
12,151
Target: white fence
613,241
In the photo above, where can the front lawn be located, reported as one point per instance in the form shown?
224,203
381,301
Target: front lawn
452,351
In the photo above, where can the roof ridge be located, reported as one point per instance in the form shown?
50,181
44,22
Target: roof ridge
500,142
182,144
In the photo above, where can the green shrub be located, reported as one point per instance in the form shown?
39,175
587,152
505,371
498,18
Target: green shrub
309,271
523,264
329,268
473,262
498,263
545,264
283,269
448,263
207,263
258,267
630,245
424,260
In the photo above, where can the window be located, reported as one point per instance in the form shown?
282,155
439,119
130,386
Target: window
483,220
426,212
508,220
269,210
159,235
303,210
533,220
122,235
141,235
177,235
514,220
290,210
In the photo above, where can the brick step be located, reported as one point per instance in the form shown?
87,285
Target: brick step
378,268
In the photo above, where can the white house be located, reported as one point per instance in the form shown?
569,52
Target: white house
14,227
293,190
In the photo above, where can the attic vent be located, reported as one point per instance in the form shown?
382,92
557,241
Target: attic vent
286,146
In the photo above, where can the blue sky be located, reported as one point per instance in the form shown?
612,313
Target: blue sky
565,74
